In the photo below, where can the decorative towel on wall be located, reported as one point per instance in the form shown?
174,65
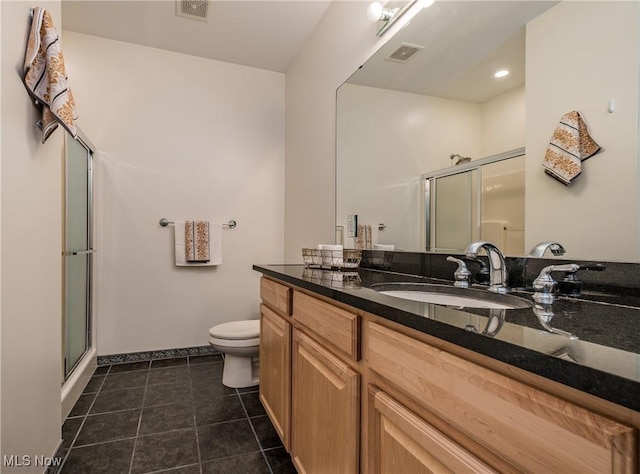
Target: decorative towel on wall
570,145
363,239
196,241
215,245
45,77
360,237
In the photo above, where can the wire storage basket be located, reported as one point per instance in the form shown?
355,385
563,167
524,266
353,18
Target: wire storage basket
316,258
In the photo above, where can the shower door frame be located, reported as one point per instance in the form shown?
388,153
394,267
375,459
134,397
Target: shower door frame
90,149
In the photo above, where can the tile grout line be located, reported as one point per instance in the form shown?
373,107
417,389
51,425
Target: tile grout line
189,365
135,440
84,419
195,421
264,456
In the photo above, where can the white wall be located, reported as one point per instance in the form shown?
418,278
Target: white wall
603,201
343,40
503,122
386,140
179,137
31,244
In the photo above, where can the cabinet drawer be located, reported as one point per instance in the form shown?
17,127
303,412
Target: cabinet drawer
336,326
531,429
400,441
276,296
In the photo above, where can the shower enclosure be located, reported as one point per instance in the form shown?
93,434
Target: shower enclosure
77,252
481,199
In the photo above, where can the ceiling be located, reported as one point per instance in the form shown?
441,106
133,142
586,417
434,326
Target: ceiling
464,42
264,34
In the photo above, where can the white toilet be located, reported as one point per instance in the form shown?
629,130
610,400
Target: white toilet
239,341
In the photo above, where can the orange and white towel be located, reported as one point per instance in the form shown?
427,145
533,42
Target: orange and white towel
363,237
193,247
196,241
570,145
45,77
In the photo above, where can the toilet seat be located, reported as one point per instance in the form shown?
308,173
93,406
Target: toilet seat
236,333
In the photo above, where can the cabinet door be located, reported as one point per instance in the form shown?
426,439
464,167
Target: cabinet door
532,430
401,442
275,370
326,410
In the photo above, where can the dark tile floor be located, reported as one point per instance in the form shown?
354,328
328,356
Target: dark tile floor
170,416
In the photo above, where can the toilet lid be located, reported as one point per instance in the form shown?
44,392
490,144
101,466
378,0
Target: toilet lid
236,330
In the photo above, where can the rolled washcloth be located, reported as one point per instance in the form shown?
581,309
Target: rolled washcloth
331,254
570,145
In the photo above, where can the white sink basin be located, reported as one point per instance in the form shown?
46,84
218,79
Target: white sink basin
447,300
451,296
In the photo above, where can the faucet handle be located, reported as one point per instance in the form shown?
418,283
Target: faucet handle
462,275
545,286
570,285
483,275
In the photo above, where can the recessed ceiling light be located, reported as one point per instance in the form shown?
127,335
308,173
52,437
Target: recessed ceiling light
501,73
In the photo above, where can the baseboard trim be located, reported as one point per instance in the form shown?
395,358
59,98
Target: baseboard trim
56,461
152,355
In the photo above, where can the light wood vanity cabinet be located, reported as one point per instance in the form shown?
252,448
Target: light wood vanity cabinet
275,356
326,410
530,429
350,392
402,442
326,389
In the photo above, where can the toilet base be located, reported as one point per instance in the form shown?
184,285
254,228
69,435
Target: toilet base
240,372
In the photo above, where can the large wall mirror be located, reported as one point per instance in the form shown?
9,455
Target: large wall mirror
430,93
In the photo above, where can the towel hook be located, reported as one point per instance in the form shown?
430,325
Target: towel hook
164,222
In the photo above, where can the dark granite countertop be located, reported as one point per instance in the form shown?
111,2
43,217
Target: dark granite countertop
600,356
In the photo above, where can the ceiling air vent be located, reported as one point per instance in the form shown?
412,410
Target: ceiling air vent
194,9
405,52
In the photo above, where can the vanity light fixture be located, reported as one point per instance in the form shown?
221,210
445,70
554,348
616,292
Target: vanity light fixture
376,12
501,73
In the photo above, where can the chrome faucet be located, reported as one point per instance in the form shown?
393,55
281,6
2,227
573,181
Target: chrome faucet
546,288
497,265
556,249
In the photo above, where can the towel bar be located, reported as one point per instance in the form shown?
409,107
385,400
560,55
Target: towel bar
164,222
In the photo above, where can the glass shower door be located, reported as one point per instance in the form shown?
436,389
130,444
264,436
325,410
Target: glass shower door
77,253
453,210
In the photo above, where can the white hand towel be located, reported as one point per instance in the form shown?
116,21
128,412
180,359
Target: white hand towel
215,246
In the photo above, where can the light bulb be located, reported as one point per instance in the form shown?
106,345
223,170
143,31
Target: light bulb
501,73
374,11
